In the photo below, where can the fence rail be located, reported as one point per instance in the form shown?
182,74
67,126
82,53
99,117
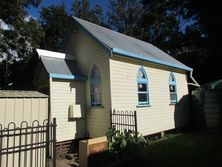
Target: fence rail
28,145
122,120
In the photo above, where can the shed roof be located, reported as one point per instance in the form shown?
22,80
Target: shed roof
128,46
21,94
58,65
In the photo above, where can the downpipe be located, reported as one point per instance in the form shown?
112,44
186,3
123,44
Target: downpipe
195,82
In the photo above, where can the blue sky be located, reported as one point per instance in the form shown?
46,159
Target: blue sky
34,12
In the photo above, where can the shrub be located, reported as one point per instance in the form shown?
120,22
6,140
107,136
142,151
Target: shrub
124,143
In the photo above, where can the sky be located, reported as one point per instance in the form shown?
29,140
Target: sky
35,12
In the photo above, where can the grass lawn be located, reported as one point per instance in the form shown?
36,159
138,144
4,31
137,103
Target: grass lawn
184,150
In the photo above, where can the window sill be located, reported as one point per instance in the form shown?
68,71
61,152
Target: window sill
96,107
141,106
173,104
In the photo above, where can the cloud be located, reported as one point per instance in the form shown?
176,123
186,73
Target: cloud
29,17
4,26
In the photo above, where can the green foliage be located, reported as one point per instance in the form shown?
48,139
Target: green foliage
55,22
82,9
13,10
124,143
161,26
18,40
125,16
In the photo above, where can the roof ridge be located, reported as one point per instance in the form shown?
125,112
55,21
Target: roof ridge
114,31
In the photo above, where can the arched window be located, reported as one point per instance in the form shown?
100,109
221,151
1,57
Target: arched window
172,88
142,84
95,87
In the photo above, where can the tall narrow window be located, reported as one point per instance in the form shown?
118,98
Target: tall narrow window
172,89
142,84
95,87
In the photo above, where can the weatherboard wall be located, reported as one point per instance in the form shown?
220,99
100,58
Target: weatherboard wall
160,115
62,94
88,53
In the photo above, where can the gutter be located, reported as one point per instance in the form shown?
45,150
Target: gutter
67,76
149,59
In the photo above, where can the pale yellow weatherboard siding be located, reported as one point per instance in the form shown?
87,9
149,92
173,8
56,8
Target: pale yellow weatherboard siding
89,53
65,93
160,116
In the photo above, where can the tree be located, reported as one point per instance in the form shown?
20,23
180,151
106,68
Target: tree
13,11
124,16
194,43
161,26
21,34
55,22
82,9
180,28
208,15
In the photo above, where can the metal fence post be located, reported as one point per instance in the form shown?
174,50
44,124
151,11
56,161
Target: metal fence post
47,145
136,130
54,142
110,118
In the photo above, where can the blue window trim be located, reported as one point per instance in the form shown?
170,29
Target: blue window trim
64,76
93,82
174,84
143,81
145,105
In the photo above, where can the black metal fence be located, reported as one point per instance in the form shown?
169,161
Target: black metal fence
28,145
122,120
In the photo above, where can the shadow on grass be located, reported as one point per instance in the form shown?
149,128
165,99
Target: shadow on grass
193,149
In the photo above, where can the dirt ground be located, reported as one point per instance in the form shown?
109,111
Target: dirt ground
68,161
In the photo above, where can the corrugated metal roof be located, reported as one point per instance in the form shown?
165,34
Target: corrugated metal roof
131,46
61,66
21,94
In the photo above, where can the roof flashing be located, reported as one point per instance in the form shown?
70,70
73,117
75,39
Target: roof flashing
53,54
58,65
